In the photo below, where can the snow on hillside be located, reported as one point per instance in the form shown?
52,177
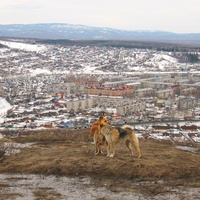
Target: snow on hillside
4,107
35,72
161,61
24,46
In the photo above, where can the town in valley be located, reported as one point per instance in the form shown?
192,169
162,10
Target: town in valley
44,86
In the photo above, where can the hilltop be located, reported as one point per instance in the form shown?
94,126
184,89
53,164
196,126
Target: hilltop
163,170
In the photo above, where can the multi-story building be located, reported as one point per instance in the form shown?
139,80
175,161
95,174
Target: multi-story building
109,91
79,104
186,102
164,94
144,92
124,106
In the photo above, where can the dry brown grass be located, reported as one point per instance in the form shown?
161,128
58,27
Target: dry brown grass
71,153
9,196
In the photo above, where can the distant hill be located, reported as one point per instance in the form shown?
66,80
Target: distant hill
81,32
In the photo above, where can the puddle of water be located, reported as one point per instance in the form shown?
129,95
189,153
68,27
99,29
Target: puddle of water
23,187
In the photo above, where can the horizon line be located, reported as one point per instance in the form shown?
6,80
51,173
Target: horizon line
136,30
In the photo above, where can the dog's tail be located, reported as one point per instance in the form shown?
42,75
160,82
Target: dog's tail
127,127
135,139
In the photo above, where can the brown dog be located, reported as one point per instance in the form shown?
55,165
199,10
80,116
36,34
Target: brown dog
126,133
99,139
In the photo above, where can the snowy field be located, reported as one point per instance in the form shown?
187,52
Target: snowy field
4,107
24,46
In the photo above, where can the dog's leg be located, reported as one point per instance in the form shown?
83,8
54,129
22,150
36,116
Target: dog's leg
129,146
97,151
107,140
103,140
136,145
112,149
138,151
100,142
108,149
96,145
100,148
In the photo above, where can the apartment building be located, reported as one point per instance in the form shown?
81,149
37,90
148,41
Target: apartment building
80,104
124,106
164,94
144,92
186,102
109,91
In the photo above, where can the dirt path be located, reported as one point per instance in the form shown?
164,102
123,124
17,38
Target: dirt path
32,187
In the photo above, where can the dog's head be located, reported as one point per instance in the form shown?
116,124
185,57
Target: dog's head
103,120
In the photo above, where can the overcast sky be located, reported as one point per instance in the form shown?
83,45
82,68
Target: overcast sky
179,16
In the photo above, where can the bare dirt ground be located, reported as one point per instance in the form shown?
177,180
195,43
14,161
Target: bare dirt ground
66,161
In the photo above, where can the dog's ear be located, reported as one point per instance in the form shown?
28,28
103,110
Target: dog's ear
101,117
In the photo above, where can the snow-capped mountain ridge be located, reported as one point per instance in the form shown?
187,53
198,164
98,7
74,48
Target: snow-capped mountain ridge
81,32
